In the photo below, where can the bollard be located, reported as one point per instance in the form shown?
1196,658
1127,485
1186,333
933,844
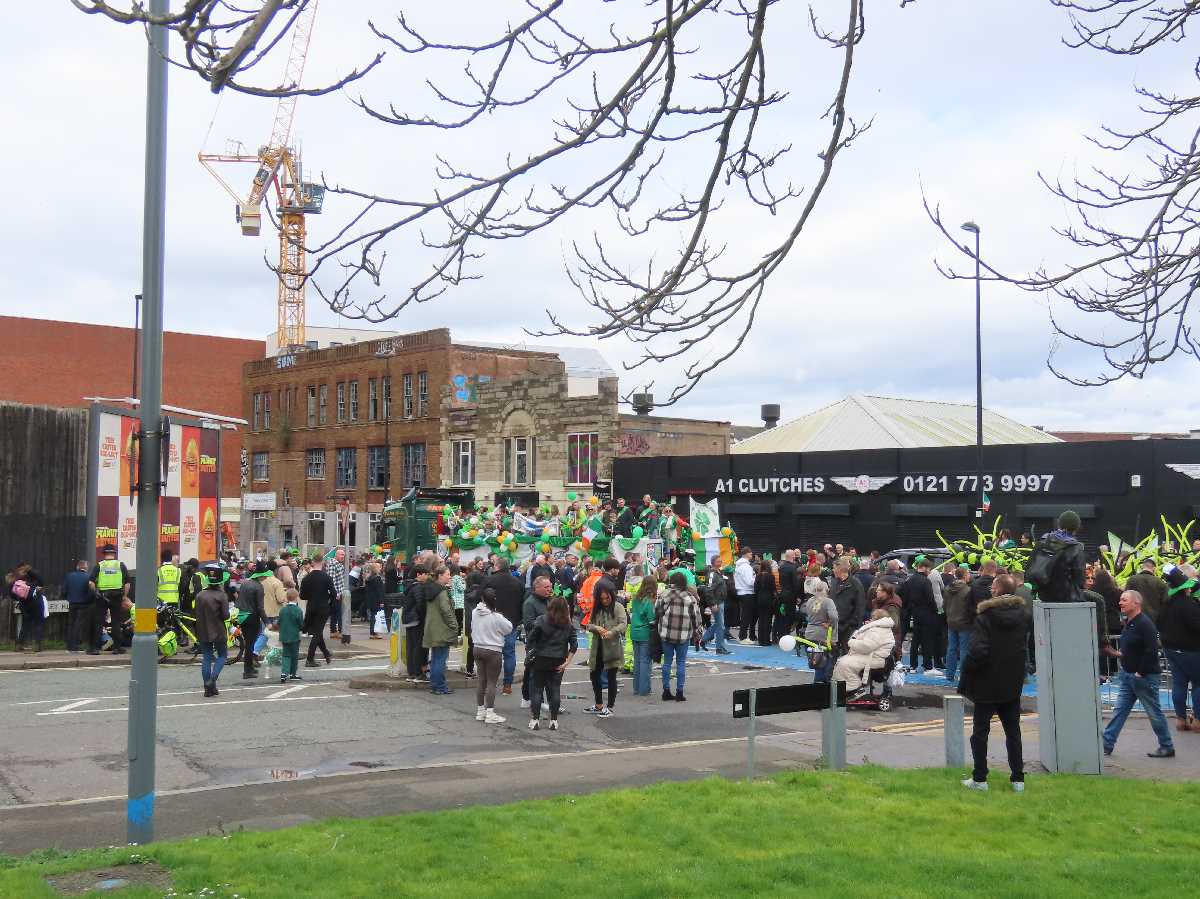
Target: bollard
833,731
953,714
750,738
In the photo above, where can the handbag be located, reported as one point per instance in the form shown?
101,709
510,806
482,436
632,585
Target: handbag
896,678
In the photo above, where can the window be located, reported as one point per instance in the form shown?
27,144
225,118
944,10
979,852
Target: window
581,458
387,397
377,468
316,527
520,462
347,467
341,401
314,467
261,466
312,407
324,402
408,397
372,399
257,410
422,393
414,464
354,400
463,462
267,411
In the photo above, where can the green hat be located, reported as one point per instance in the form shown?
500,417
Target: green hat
1069,521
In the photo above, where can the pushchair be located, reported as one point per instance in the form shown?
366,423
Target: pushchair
865,698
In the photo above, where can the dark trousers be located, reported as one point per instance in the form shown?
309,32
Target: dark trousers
733,613
785,621
32,628
550,681
1010,718
94,623
335,616
290,658
317,641
78,615
924,642
612,685
939,651
527,676
766,610
117,617
749,617
417,656
251,628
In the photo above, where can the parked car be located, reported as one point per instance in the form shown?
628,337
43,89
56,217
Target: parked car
937,555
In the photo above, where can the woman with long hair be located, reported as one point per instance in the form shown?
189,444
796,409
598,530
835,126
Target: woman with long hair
552,643
488,630
641,615
607,651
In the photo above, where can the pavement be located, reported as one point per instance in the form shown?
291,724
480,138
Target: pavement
265,755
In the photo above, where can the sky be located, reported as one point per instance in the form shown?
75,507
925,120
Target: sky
970,100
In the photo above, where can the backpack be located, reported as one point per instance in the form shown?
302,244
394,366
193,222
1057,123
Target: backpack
1043,562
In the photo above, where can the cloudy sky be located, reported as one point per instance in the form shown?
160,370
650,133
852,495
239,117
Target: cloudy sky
970,100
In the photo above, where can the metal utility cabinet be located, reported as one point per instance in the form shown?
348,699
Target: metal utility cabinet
1068,697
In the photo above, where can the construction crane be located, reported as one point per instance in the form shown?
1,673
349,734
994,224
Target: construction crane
279,166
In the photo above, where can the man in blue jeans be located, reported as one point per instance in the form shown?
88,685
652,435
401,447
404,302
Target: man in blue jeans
510,598
718,594
1140,676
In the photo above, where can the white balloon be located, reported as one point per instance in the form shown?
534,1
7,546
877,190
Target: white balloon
787,643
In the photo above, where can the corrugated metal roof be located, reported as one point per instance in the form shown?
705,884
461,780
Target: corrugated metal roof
881,422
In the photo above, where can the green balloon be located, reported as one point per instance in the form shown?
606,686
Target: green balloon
972,559
638,532
572,495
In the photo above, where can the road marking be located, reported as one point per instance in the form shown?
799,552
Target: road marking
189,705
192,692
917,727
287,691
74,705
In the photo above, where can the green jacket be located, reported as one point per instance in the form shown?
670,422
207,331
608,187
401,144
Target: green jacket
643,620
614,620
291,620
441,627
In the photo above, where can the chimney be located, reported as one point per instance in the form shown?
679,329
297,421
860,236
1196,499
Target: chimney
770,414
643,403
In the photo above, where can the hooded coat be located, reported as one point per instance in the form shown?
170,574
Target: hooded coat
994,668
869,647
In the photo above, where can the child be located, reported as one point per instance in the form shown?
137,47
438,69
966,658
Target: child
291,619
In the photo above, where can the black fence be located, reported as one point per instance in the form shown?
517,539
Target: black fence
43,488
885,499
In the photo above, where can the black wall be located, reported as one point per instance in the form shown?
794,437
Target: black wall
928,492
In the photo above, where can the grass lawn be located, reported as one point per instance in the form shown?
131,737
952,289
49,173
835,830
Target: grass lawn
869,832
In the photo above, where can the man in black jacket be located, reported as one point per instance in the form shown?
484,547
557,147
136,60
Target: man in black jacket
1140,677
534,606
1179,628
850,598
318,594
1064,582
919,607
253,615
993,675
510,596
1150,587
786,619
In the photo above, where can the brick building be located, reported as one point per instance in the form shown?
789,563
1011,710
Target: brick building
657,435
53,363
359,422
531,438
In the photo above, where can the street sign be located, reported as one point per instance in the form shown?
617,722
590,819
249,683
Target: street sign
790,698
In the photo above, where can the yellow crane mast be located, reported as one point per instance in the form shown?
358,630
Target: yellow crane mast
279,166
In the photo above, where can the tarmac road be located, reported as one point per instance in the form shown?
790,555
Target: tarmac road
265,754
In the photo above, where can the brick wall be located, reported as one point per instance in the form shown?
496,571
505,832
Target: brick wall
59,363
656,435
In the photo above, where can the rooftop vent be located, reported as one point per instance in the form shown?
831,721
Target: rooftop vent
643,403
770,414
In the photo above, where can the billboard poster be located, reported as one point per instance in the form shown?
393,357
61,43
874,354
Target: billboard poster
189,507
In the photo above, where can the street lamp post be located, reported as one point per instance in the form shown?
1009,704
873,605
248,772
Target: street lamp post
974,229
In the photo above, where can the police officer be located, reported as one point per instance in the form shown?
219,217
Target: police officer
168,579
110,579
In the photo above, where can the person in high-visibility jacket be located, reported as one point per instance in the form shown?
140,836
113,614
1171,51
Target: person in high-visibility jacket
169,577
110,579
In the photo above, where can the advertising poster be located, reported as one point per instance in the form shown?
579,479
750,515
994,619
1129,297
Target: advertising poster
189,506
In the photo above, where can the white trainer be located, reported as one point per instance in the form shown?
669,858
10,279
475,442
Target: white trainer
553,724
493,718
524,703
480,713
1019,787
533,724
971,784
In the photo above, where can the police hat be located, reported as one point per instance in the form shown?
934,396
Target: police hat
109,549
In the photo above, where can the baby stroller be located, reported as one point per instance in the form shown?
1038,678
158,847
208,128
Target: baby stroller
865,698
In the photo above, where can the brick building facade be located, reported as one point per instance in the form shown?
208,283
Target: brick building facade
531,438
359,422
53,363
657,435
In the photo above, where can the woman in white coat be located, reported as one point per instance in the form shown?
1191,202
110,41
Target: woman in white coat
869,647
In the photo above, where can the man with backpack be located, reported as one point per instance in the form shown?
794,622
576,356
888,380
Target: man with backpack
1056,566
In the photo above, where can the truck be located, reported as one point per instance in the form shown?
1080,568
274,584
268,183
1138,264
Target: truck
410,524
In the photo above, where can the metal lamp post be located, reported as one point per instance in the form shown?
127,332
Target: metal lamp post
974,229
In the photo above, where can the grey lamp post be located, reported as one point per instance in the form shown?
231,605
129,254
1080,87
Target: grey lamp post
974,229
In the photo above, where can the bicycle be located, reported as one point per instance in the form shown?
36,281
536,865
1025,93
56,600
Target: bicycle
170,618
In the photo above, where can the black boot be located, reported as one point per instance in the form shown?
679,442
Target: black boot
667,695
208,689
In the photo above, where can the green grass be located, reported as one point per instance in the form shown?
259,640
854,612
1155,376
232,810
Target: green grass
11,645
868,832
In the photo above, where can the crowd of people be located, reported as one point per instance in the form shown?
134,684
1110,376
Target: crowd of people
850,612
